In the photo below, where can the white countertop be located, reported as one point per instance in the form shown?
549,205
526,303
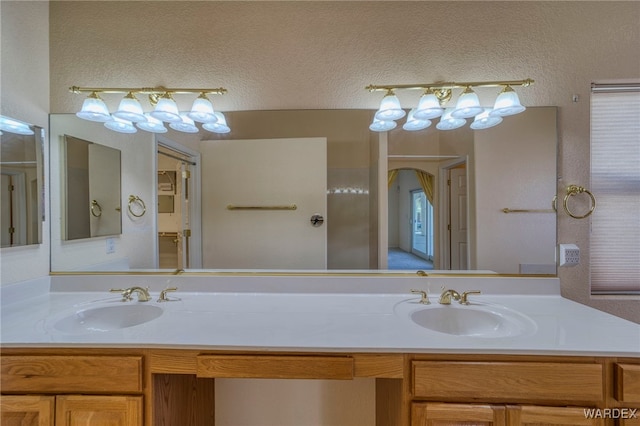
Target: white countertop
272,314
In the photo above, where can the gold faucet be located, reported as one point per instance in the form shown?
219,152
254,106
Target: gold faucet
424,299
465,295
143,293
445,297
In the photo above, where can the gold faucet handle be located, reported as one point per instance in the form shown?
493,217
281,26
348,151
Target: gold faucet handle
126,295
163,294
424,299
465,295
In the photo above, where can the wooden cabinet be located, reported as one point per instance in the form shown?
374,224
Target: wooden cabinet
440,414
60,379
27,410
166,387
511,393
92,410
71,410
449,414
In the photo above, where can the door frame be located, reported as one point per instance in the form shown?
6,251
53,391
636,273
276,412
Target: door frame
445,211
195,201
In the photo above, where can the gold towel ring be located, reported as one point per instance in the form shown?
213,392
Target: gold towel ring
573,190
134,199
94,206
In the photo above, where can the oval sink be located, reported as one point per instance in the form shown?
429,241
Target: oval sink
107,318
474,320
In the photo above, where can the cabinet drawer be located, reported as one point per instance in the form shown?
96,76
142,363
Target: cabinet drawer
88,374
508,381
275,367
627,379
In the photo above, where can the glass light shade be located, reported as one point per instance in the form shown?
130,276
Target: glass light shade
414,124
202,110
428,107
130,109
382,126
14,126
468,105
186,125
151,125
484,120
447,122
390,108
507,103
219,126
94,109
119,125
166,110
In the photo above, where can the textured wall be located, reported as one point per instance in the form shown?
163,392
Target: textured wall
308,55
24,94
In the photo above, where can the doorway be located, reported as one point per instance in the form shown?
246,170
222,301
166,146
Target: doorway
410,220
177,203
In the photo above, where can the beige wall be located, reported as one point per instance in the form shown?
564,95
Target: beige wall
327,52
24,94
292,55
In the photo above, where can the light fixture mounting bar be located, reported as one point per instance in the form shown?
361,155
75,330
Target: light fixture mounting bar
449,85
145,90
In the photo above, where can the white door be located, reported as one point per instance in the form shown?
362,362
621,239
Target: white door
458,218
258,199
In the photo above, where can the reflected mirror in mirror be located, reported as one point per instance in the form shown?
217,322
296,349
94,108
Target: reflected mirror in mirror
22,185
92,190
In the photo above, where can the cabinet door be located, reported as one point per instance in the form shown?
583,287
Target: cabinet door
438,414
85,410
26,410
533,415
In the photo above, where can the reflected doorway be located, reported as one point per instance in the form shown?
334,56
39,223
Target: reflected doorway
176,213
410,221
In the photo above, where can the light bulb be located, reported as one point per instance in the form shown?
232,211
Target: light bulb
414,124
428,107
186,125
202,110
151,125
447,122
484,120
219,126
130,109
14,126
94,109
468,105
119,125
507,103
390,108
382,126
167,110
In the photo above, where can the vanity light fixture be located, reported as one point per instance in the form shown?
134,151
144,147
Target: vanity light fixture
12,125
218,126
130,115
432,104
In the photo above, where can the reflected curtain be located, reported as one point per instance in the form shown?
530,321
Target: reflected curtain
391,176
427,182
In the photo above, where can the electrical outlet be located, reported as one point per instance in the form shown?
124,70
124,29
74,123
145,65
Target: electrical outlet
111,245
569,255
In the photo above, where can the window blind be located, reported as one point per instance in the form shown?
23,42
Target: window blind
615,182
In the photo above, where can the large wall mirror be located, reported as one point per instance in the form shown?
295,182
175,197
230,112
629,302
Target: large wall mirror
511,166
91,189
22,185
